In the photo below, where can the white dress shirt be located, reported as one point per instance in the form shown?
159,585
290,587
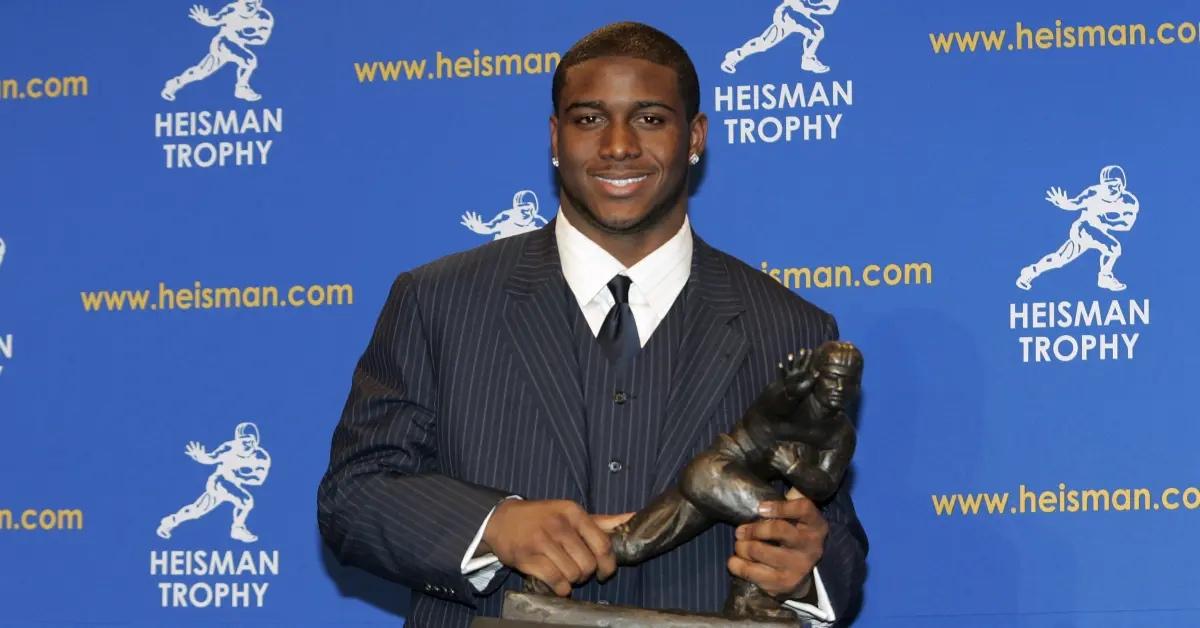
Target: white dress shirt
656,281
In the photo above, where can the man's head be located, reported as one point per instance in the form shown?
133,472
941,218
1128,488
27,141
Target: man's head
839,368
1113,180
626,119
246,435
526,201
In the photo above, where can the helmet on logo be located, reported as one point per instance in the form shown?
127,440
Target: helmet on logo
526,201
245,430
1112,173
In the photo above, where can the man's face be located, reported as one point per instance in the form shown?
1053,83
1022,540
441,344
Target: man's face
622,139
837,385
1115,187
251,5
248,443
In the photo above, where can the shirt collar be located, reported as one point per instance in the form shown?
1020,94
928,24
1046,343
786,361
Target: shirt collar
587,267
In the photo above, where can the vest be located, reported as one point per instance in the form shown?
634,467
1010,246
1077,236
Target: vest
624,409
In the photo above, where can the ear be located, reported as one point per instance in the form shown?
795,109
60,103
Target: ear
554,135
698,135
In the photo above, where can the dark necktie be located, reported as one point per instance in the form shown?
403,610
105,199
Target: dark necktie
618,334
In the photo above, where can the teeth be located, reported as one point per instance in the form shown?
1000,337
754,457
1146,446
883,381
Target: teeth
622,182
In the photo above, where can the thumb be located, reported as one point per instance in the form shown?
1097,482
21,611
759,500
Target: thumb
608,523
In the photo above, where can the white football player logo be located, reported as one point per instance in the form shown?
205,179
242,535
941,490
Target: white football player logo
1104,208
240,462
242,24
522,217
791,16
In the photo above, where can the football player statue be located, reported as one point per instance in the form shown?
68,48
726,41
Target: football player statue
242,24
797,431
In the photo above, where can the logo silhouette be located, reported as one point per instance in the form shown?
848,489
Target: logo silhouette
522,217
1104,208
241,24
240,463
791,16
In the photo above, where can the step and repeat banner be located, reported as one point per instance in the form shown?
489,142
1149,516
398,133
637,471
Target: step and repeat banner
203,204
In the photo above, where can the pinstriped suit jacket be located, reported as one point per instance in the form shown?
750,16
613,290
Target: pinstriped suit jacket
468,393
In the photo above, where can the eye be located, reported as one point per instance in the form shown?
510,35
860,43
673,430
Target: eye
650,119
589,119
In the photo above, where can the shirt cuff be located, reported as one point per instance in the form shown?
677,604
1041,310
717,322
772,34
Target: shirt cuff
819,616
480,570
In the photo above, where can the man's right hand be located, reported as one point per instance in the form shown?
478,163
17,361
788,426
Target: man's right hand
555,541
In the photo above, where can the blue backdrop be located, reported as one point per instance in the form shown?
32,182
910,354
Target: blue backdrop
179,258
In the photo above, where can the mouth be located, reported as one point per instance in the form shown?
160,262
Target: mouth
620,185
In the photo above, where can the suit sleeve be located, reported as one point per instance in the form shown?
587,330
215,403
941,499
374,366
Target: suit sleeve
843,564
384,504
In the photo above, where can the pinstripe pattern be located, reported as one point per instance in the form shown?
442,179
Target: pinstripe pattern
473,388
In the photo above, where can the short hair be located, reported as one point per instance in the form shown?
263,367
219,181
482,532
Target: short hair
637,41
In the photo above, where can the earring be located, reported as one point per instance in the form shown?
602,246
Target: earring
554,160
694,159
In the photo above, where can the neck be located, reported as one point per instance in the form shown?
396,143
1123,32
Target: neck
629,247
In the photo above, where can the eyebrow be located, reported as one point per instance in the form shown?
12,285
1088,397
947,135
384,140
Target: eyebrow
599,104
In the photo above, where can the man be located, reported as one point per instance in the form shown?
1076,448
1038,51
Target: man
243,24
1104,208
578,368
240,463
522,217
791,16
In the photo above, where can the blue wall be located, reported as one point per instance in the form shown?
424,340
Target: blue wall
933,171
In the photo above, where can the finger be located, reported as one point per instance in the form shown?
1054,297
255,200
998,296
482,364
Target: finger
775,530
773,556
608,523
596,537
543,569
600,543
581,553
769,579
563,562
801,508
601,547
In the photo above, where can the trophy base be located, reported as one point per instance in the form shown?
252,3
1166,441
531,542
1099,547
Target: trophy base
550,610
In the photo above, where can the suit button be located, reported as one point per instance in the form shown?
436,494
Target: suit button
620,397
615,465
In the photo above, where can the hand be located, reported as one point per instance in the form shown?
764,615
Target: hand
779,551
555,541
195,451
198,13
1058,197
787,456
474,222
797,378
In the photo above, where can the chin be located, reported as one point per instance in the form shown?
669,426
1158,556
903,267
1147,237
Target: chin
619,216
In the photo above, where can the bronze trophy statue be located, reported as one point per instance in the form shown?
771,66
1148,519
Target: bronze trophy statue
796,431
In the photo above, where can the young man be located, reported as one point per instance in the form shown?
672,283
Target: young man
518,400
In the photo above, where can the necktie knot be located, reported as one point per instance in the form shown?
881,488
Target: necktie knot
619,287
618,333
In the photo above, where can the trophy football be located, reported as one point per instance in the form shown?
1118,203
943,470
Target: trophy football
796,431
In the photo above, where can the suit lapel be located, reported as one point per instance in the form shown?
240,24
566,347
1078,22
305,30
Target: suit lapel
711,354
541,335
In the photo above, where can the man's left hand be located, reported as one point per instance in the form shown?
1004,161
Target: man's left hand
779,551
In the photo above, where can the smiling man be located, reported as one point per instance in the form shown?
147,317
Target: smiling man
519,400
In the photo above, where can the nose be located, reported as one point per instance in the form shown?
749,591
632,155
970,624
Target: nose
620,142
